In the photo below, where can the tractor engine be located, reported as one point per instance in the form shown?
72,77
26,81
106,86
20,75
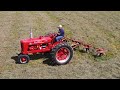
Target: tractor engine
36,45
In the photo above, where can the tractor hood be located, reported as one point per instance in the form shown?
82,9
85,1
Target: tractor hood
36,40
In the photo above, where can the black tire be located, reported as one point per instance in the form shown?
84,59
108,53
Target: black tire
47,55
55,51
26,57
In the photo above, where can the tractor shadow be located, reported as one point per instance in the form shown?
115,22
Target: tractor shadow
14,58
80,50
48,62
46,58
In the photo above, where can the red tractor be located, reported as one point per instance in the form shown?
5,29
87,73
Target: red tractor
60,52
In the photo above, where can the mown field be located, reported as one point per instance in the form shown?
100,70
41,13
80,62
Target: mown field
99,28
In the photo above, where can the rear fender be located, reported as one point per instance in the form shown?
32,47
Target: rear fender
56,43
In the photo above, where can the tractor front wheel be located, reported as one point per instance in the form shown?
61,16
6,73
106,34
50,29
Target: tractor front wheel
61,54
23,59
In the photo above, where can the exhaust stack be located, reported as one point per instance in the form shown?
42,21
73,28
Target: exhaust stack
31,35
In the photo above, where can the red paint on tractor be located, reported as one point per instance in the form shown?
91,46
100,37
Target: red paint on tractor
62,54
34,45
38,45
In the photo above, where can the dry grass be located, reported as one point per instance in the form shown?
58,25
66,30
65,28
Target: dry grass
101,29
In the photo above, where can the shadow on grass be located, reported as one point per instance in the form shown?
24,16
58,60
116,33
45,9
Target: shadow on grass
49,62
95,56
14,58
36,57
82,51
100,58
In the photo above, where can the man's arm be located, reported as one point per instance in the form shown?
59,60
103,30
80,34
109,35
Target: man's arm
58,33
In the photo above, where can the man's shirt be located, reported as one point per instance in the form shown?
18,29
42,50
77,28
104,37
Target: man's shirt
61,31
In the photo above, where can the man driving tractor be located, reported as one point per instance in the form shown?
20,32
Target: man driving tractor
60,52
60,34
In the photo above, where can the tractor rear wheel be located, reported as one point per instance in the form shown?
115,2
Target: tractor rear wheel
61,54
23,59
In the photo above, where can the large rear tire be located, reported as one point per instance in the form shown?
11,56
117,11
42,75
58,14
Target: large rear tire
61,54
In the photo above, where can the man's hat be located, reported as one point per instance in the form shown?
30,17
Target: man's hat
60,26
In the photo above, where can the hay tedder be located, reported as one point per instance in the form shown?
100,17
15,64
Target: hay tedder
60,52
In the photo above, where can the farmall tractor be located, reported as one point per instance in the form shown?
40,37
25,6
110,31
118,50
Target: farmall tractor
59,52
